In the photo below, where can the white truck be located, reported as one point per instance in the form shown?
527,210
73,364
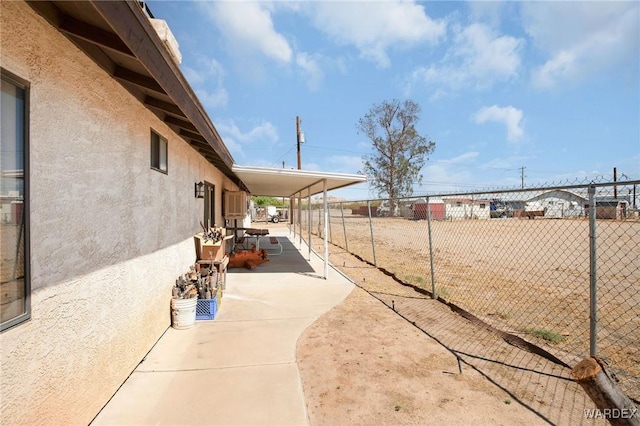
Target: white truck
272,214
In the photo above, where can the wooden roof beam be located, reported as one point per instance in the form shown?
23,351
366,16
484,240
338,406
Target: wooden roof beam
195,136
132,77
180,123
94,35
164,106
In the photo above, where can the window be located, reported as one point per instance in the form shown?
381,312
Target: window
14,208
483,206
209,205
158,152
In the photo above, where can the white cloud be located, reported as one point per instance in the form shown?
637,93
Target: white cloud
248,27
374,27
490,12
478,58
345,164
208,82
213,99
441,177
311,69
583,39
264,133
509,116
464,158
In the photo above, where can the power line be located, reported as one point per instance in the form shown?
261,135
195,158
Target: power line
283,155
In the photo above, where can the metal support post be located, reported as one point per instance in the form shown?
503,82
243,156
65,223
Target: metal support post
300,217
593,280
326,241
434,295
373,244
329,223
310,218
344,229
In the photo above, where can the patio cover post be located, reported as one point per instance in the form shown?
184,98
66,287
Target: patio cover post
309,216
300,216
326,241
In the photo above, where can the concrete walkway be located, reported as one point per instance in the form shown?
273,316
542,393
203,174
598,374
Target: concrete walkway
240,368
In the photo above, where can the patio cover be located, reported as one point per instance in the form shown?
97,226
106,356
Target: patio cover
296,183
272,182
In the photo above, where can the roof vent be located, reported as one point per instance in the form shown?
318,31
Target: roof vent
167,38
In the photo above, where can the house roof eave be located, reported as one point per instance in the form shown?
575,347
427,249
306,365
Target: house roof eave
119,37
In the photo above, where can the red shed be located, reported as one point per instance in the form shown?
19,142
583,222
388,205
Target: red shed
436,206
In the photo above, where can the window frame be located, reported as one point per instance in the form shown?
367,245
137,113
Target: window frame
23,84
162,142
209,204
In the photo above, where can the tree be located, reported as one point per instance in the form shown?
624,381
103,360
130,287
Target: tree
400,152
262,201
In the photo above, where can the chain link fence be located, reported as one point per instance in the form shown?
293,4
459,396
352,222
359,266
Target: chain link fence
557,266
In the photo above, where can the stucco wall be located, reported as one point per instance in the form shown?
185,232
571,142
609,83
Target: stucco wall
109,236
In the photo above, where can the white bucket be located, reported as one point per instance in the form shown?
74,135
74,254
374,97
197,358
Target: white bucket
183,313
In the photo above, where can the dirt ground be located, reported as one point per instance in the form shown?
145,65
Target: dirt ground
390,355
361,364
527,277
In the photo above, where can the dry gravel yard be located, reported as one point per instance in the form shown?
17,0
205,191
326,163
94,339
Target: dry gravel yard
361,364
527,277
376,358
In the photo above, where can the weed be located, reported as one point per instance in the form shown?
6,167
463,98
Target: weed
442,291
414,279
550,336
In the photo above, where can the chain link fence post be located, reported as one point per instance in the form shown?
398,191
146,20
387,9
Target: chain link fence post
434,295
344,229
593,279
373,244
310,216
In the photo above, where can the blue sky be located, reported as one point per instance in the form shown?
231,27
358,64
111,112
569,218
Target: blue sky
549,86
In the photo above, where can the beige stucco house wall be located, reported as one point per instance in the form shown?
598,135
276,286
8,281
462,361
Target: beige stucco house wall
109,235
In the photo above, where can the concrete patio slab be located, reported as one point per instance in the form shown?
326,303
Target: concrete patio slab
240,368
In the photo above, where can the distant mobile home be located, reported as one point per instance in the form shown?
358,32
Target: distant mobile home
557,204
466,208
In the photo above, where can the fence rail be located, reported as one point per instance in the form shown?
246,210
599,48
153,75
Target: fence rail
558,266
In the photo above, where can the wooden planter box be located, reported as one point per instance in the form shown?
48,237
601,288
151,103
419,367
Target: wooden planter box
210,250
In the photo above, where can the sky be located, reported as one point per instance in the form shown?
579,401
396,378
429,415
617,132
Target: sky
541,92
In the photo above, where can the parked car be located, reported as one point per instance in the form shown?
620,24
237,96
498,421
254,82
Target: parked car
499,209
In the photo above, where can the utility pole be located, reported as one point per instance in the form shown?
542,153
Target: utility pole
298,141
615,187
299,168
522,176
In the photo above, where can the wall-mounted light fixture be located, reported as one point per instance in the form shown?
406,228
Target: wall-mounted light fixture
199,190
